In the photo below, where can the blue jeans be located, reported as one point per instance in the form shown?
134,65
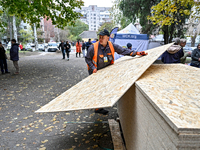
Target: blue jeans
63,53
3,64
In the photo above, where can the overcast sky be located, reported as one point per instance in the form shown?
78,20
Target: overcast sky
99,3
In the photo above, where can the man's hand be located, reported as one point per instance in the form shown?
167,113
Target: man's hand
142,53
95,70
199,59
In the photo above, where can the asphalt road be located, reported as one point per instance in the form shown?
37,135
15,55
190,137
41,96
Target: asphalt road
44,76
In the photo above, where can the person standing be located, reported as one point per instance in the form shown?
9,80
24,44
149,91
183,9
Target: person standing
78,48
101,55
3,62
14,55
68,49
88,44
186,54
20,46
83,48
61,46
196,57
173,54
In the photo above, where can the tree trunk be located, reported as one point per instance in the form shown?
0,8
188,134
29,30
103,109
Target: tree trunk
166,34
193,40
171,32
35,36
10,27
58,35
14,28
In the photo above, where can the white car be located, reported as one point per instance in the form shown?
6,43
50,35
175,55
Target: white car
41,47
9,46
52,47
28,47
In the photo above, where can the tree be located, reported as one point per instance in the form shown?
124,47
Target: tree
77,29
40,34
107,25
61,12
117,15
193,28
26,35
139,9
171,15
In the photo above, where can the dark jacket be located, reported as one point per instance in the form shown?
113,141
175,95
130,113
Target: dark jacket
103,51
61,46
83,46
168,58
88,45
67,47
195,56
14,52
2,53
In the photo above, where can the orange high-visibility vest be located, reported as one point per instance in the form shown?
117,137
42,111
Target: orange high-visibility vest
94,59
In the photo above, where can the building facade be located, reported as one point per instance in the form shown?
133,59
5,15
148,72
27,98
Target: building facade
95,16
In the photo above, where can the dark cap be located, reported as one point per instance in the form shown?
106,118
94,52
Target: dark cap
129,45
104,32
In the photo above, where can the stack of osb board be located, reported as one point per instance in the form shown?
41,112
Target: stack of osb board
162,109
104,88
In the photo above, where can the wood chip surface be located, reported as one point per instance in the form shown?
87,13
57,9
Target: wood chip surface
104,88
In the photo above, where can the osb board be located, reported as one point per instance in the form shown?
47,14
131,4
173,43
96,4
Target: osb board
104,88
174,90
116,135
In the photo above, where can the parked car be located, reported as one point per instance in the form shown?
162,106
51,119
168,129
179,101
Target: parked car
45,45
28,47
52,47
41,47
8,46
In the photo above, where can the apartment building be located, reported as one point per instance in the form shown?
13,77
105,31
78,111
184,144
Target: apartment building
95,16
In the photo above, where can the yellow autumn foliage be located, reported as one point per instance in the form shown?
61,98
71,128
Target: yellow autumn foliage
163,13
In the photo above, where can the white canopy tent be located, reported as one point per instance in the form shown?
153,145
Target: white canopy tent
131,35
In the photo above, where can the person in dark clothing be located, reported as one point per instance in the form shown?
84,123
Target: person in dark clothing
129,46
101,55
83,48
173,54
88,44
67,48
61,46
14,55
3,62
196,57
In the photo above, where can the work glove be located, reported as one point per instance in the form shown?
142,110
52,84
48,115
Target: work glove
142,53
95,70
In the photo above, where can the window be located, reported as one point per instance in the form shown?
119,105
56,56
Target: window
94,28
94,21
95,18
94,14
94,25
25,27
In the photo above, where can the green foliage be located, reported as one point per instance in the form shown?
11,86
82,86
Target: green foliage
61,12
107,25
77,29
40,35
171,15
133,9
118,17
26,35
